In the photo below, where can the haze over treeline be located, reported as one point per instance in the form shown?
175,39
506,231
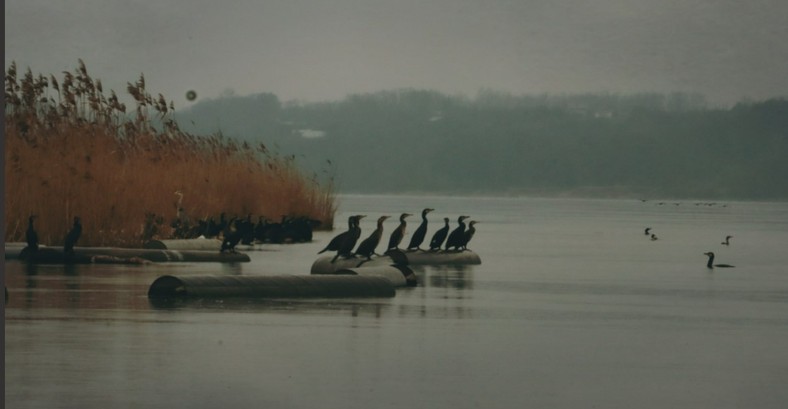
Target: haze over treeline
420,141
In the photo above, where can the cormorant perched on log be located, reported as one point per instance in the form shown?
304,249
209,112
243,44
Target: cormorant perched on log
334,244
440,236
367,247
72,236
711,261
418,236
398,233
232,235
30,235
727,241
456,235
347,245
468,235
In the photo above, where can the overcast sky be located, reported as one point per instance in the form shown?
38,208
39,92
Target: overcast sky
313,50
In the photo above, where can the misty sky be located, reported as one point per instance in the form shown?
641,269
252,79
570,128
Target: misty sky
312,50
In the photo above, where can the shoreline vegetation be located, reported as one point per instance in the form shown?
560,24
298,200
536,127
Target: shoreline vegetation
70,150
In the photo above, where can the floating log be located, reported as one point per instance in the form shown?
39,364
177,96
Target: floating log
284,286
86,255
324,264
399,275
441,257
196,244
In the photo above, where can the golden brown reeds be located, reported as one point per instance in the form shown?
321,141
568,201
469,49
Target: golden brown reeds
71,151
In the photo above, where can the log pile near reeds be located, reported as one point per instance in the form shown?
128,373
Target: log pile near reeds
70,150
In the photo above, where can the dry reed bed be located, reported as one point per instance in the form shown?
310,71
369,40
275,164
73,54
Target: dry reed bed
72,151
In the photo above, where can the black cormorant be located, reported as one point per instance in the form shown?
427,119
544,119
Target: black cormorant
31,236
456,235
333,245
440,236
72,236
727,241
398,233
711,261
653,237
367,247
418,236
468,235
647,230
232,236
347,245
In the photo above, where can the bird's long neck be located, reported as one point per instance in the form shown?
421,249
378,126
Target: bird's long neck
711,260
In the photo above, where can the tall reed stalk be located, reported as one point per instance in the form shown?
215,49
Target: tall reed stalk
70,150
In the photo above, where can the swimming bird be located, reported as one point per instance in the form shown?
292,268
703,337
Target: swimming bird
367,247
72,236
398,233
468,234
456,235
31,236
418,236
727,241
711,261
653,237
347,245
440,236
647,230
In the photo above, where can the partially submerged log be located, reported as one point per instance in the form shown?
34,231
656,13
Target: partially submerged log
85,255
196,244
399,275
284,286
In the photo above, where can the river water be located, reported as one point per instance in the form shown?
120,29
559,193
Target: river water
573,306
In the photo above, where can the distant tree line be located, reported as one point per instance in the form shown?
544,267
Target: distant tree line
645,145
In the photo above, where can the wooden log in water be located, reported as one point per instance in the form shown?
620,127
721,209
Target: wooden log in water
324,264
284,286
196,244
84,255
399,275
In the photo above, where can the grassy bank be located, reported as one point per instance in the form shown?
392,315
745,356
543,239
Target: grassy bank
70,150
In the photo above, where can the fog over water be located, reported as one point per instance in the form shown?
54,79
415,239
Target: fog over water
572,306
313,50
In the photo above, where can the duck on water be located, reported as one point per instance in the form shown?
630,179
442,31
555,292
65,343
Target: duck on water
710,263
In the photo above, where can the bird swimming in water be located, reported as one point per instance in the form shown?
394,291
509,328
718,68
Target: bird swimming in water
348,243
367,247
711,261
647,230
727,241
31,236
418,236
440,236
468,235
72,236
398,233
333,245
456,235
654,237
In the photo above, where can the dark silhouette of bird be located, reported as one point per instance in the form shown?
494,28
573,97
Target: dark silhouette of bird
367,247
468,235
440,236
232,236
396,236
727,241
647,230
455,237
710,263
347,245
72,236
654,237
31,236
418,236
334,244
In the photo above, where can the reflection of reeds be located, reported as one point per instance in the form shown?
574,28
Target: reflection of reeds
69,150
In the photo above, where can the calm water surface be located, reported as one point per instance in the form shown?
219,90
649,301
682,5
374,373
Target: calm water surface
572,307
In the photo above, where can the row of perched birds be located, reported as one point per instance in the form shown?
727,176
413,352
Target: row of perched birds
31,237
288,229
709,254
345,242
